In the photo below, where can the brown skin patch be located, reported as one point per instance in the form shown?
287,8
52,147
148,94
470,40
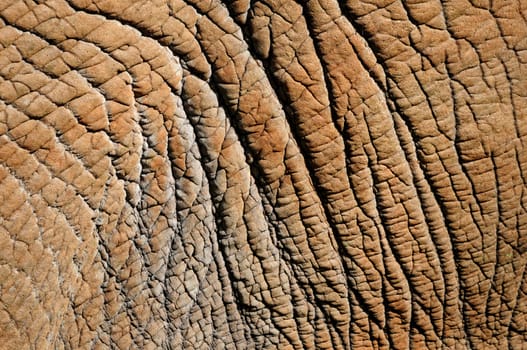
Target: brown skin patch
269,174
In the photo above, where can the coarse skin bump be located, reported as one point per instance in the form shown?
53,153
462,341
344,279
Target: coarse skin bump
267,174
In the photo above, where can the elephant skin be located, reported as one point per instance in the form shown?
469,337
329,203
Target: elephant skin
266,174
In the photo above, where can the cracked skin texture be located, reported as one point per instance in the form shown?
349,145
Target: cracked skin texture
264,174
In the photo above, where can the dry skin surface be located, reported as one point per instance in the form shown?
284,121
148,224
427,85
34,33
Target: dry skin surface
191,174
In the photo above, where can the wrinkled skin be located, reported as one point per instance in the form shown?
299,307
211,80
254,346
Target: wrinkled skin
267,174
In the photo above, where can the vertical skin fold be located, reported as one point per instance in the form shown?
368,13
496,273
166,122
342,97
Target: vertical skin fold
267,174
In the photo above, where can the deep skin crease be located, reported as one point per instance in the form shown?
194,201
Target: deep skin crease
267,174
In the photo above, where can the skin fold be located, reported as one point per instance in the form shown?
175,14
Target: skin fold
266,174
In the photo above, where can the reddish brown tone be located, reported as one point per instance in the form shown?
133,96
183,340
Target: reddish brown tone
267,174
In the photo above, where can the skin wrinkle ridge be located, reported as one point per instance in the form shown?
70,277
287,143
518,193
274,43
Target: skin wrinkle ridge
264,174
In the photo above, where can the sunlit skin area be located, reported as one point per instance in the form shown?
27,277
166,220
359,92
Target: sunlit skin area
267,174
